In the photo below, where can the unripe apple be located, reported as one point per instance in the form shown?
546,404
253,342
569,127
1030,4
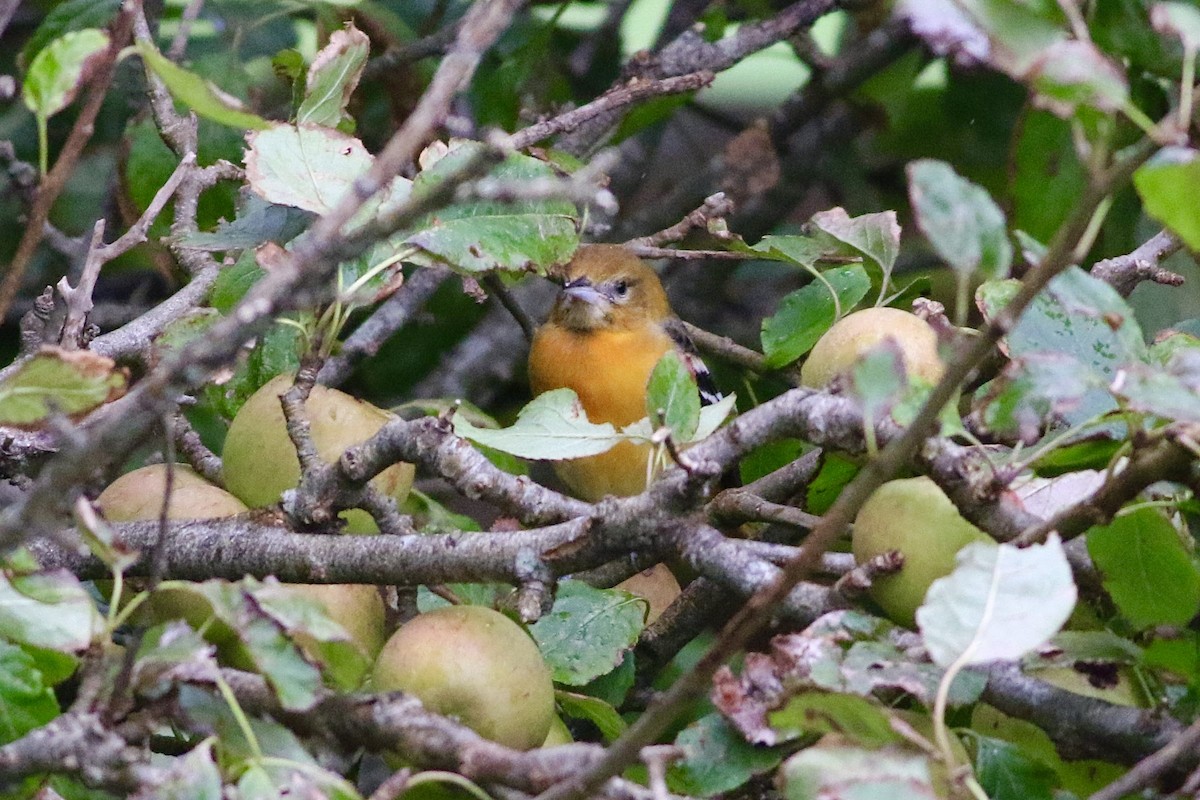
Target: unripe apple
559,733
260,461
913,516
853,335
138,495
657,586
357,607
475,664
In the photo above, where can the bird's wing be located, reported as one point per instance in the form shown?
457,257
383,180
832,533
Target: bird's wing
709,393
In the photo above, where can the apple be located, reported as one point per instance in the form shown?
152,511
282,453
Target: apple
475,664
559,733
657,586
853,335
138,495
260,461
914,516
357,607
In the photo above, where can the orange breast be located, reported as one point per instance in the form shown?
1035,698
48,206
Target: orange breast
609,371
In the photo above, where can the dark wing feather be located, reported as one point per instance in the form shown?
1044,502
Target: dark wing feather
709,393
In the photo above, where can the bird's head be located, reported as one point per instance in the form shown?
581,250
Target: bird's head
606,286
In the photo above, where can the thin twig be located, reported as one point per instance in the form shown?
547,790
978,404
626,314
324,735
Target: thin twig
179,44
715,206
1146,771
1124,273
78,298
498,290
632,92
56,179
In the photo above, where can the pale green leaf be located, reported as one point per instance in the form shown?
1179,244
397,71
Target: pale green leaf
853,773
960,219
333,76
198,94
999,603
59,69
553,426
588,631
672,397
1167,185
50,610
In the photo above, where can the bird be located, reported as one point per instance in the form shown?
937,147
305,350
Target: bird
609,326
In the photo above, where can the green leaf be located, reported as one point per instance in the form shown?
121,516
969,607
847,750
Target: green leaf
1146,568
49,610
853,773
588,631
767,458
1000,602
182,332
234,281
1181,656
339,656
1019,32
553,426
1007,773
1076,316
672,398
1047,177
26,701
1172,392
593,709
715,759
1074,73
874,236
836,471
878,380
614,686
58,381
807,313
60,69
960,219
479,236
257,221
1100,645
67,16
430,516
333,76
1166,183
245,633
1035,390
804,251
198,94
819,713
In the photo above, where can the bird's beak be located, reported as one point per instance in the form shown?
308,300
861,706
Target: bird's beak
581,290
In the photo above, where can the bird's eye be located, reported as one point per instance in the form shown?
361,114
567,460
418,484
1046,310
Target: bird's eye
621,288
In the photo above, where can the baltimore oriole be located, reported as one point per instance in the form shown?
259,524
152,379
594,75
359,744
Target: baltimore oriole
610,325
